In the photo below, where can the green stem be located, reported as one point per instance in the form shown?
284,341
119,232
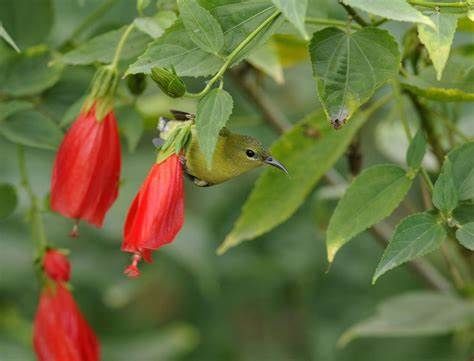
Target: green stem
37,229
120,45
434,4
230,58
353,14
88,21
333,22
399,100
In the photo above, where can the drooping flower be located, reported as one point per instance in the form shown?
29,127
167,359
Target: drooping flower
157,212
60,331
86,170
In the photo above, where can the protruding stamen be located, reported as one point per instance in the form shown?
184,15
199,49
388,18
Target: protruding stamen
132,270
75,230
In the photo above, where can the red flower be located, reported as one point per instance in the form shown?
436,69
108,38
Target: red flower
56,265
60,331
157,212
87,168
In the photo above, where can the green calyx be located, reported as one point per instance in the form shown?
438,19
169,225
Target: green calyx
169,82
103,87
175,142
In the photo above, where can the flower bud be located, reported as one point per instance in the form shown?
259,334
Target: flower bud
169,82
56,265
136,83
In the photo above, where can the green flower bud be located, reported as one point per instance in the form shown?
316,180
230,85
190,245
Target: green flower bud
169,82
136,83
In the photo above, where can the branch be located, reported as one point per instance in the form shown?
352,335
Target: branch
353,14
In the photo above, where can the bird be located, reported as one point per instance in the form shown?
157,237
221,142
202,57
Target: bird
234,154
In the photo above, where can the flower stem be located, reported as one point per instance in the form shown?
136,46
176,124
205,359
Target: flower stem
231,57
434,4
333,22
38,232
120,45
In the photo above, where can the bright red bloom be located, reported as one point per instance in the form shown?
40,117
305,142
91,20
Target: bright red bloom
56,265
60,331
86,171
157,212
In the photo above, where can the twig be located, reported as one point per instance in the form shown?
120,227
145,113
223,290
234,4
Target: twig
354,15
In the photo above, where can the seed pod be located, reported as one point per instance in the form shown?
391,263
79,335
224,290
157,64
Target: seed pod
136,83
170,83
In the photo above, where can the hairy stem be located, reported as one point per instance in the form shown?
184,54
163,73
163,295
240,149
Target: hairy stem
435,4
353,14
120,45
333,22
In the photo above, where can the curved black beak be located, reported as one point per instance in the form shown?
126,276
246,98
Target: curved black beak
272,161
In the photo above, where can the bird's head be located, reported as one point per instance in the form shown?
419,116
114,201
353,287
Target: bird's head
248,153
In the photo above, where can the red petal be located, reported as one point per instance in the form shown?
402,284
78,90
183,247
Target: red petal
56,265
87,169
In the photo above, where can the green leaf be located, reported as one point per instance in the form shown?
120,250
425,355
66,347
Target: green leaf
142,5
464,213
416,151
32,129
371,197
8,200
445,193
465,235
12,107
295,12
28,22
421,313
456,84
237,20
348,68
102,48
438,40
265,59
5,36
398,10
213,111
462,159
415,236
308,150
155,26
130,125
28,74
203,29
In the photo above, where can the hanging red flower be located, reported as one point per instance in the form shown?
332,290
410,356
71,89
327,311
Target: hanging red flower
157,212
86,171
60,331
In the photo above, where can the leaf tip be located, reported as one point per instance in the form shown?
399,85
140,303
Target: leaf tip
229,242
331,253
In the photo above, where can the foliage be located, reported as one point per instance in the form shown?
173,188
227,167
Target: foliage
367,67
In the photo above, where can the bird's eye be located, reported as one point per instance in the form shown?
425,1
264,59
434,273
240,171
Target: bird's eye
250,153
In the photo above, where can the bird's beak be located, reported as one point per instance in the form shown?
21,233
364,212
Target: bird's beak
272,161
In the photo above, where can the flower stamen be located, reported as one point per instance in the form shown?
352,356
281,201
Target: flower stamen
132,270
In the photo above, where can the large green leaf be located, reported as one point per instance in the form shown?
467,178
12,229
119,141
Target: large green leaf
27,21
265,59
456,84
465,235
5,36
420,313
202,28
237,19
32,129
155,26
295,12
416,150
445,192
12,107
102,48
464,213
415,236
392,9
371,197
8,200
438,40
27,74
308,150
462,159
212,114
349,68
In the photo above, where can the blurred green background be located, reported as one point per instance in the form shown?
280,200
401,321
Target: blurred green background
269,299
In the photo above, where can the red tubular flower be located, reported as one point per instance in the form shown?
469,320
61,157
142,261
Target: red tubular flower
60,331
56,266
86,171
157,212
